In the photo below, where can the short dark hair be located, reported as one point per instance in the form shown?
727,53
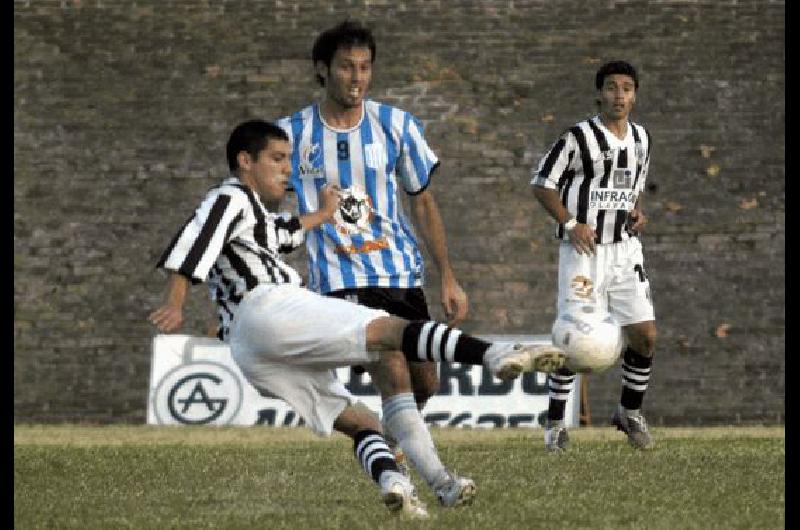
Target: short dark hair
616,67
252,137
346,34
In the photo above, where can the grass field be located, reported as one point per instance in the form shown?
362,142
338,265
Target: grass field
197,477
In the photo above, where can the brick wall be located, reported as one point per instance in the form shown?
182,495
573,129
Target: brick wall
122,110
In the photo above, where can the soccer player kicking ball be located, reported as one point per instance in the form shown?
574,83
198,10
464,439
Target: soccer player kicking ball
287,339
590,182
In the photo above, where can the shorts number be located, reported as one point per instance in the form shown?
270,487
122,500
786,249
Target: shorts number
640,271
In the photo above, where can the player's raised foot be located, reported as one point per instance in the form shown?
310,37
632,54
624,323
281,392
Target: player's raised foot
556,438
633,424
456,491
400,497
507,361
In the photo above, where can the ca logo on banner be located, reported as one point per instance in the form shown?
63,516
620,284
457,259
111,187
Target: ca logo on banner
198,393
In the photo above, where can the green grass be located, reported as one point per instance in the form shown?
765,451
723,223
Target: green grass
173,477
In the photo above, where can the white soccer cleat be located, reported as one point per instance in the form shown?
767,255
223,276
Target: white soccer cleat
632,423
456,491
400,497
556,439
508,361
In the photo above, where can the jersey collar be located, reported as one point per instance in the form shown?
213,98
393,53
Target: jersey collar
612,138
334,129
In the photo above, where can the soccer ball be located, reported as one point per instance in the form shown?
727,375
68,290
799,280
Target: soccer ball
590,336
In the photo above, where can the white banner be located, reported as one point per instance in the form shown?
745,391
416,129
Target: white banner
194,381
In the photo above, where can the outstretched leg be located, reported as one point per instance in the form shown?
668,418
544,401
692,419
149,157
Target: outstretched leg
433,341
372,452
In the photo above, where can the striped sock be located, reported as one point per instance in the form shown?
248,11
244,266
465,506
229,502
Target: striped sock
402,419
635,376
560,385
373,453
432,341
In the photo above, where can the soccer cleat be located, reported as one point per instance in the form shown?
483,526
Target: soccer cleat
456,491
400,497
634,425
556,438
507,361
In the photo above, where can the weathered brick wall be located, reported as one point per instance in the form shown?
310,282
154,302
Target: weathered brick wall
122,110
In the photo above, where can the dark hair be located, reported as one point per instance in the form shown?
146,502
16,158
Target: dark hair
615,67
344,35
252,137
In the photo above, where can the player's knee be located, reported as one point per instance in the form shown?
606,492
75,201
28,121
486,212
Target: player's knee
355,418
644,341
425,382
385,333
423,391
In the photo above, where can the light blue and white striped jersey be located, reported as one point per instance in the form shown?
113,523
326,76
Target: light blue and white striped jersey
385,152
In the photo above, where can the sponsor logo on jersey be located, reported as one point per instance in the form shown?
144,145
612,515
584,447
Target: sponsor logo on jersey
311,161
355,212
608,154
612,199
375,155
367,246
623,179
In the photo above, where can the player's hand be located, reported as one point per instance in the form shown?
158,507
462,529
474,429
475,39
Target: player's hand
454,301
167,318
582,238
636,220
329,200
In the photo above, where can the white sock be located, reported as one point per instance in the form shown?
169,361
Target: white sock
402,419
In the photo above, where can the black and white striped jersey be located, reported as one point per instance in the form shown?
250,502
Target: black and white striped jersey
233,243
598,176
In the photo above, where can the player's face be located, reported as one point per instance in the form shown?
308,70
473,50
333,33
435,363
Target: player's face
270,172
348,78
617,96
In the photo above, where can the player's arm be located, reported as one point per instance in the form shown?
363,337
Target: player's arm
193,251
290,231
581,235
329,202
429,222
545,183
636,217
169,316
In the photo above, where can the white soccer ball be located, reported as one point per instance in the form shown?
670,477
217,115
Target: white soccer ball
590,336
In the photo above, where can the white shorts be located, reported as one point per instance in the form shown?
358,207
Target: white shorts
614,278
288,340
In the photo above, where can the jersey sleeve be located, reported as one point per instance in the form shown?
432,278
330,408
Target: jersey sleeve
199,242
286,124
289,233
555,162
646,164
417,160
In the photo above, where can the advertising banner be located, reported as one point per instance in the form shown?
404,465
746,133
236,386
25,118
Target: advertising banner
194,381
